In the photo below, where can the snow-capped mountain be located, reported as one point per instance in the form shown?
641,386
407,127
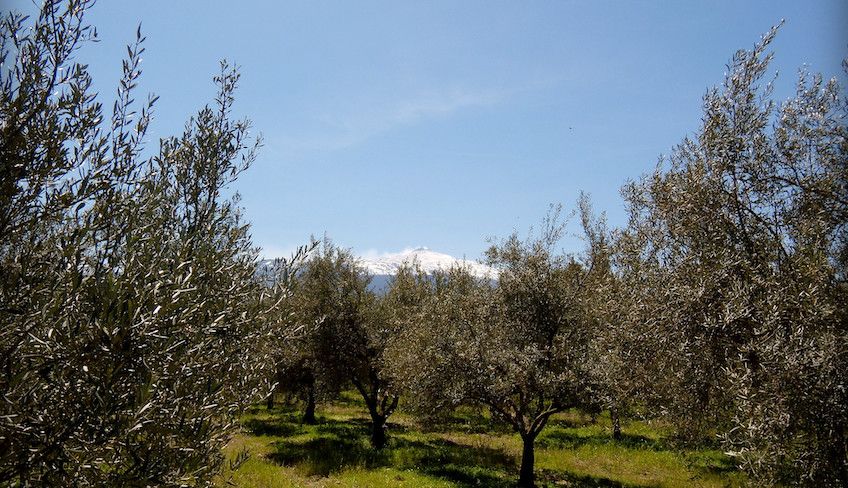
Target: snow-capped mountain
384,267
429,261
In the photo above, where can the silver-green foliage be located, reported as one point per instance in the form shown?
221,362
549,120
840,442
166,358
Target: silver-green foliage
131,324
735,271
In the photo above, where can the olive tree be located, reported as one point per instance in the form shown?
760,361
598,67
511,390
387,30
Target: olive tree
739,242
612,343
132,329
517,346
296,376
299,369
352,333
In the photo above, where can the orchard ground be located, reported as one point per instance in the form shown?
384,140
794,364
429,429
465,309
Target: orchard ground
468,450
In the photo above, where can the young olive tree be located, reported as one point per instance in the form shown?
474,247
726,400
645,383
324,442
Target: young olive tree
296,375
611,341
300,367
518,347
132,330
352,334
737,248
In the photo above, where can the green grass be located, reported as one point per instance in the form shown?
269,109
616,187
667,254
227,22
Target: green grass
467,451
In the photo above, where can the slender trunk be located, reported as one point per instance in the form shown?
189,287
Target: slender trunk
526,479
839,456
616,422
270,401
309,414
378,431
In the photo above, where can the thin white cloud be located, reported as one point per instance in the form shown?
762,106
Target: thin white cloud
347,122
362,120
410,111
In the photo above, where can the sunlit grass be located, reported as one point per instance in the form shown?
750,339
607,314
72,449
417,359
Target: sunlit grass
469,450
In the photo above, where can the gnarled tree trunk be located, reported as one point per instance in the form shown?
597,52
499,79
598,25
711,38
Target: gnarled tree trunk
526,478
378,431
380,404
309,414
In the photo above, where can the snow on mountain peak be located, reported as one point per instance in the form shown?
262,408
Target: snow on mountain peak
429,261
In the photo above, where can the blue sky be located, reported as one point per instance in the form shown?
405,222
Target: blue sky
392,124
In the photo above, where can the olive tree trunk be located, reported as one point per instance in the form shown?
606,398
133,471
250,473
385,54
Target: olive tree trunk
378,431
309,414
616,422
526,478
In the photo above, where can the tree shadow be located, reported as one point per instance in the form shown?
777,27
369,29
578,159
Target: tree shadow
275,427
710,463
719,467
463,465
341,445
327,455
459,463
562,439
562,478
352,427
342,429
336,445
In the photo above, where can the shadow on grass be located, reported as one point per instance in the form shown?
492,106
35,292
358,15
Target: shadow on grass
562,439
334,446
461,464
326,455
561,478
352,427
276,427
340,445
712,462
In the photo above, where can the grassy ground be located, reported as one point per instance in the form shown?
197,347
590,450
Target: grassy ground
468,451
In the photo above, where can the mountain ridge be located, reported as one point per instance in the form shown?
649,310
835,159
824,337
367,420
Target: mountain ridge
428,260
383,268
